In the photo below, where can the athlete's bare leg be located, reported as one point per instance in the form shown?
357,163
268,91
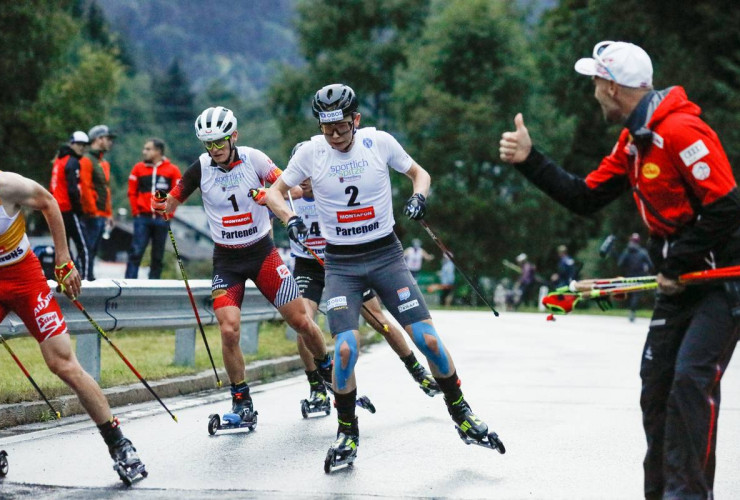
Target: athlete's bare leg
229,321
298,317
303,352
61,360
393,336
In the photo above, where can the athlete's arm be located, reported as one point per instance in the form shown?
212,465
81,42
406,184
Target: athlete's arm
21,192
420,178
276,195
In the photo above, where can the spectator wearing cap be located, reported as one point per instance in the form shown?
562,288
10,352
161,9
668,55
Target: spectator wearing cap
634,261
674,167
566,270
65,187
153,173
95,190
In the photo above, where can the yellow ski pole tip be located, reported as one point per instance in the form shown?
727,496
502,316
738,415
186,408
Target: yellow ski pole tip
59,415
219,384
175,419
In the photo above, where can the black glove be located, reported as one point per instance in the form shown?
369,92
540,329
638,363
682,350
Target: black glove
416,207
297,230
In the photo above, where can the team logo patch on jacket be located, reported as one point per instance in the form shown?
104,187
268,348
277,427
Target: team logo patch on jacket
701,171
693,153
650,170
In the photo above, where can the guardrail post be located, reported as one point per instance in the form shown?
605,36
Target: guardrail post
185,347
88,354
249,337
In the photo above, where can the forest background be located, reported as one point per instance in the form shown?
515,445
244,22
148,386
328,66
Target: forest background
446,77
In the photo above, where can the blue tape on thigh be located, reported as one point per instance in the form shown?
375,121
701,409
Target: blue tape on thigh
343,373
439,358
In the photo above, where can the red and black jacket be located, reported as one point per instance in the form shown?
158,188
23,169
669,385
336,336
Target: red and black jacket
65,179
680,179
145,179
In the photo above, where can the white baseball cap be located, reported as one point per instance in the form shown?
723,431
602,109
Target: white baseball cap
80,137
622,62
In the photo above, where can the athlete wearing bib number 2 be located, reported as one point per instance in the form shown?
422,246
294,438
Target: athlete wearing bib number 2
349,171
244,250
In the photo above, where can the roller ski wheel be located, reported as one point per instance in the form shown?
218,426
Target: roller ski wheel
127,464
318,402
343,451
231,421
365,403
425,380
3,463
490,441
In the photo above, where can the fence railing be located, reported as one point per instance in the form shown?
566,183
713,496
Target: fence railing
129,305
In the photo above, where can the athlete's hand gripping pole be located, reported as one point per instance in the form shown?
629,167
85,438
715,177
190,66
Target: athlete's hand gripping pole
384,326
159,197
120,354
447,252
56,414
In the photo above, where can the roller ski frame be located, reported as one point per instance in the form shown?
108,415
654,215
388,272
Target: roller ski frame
333,461
3,463
314,405
231,421
491,440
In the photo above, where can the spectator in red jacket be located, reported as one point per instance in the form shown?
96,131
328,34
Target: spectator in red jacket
154,172
65,186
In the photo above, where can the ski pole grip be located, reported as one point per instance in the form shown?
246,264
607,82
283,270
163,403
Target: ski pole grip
159,194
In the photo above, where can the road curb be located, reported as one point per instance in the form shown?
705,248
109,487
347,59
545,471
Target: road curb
36,411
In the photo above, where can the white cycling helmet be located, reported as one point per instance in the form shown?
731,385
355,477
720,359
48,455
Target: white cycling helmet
214,124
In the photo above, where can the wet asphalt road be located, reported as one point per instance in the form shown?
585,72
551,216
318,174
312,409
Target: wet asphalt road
563,397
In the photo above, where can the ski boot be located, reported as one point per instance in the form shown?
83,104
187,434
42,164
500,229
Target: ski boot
242,415
127,462
318,401
326,369
3,463
365,403
471,429
344,450
425,380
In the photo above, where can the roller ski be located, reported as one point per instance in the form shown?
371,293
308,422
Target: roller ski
127,464
3,463
425,380
365,403
344,450
318,402
242,415
471,429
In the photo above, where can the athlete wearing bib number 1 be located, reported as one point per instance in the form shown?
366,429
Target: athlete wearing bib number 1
240,228
348,167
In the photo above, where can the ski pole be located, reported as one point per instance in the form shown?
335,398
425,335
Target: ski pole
445,250
161,195
120,354
384,326
56,414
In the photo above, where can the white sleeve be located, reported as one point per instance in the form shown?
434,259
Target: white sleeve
299,167
397,158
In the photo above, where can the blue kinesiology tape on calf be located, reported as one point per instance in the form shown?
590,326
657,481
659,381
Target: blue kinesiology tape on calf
342,370
424,334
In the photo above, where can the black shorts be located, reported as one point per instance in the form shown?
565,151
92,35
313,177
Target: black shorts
378,265
310,276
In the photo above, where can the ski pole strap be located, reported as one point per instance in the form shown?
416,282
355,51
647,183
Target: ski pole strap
62,272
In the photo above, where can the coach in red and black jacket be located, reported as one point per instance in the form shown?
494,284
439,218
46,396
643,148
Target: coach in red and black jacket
154,173
686,194
65,187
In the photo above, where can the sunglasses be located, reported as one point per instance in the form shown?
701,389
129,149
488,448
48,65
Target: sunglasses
219,144
597,56
340,128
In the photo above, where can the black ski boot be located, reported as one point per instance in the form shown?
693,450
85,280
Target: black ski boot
470,428
425,380
242,415
325,369
318,401
344,450
127,462
3,463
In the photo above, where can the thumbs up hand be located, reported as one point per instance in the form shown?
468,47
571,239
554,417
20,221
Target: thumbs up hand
515,146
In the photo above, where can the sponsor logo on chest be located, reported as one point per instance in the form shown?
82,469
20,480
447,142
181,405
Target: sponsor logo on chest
237,220
360,214
350,170
230,180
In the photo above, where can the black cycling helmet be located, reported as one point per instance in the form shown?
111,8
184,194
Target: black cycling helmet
333,98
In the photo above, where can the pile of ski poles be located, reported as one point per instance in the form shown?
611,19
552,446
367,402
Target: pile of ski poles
564,299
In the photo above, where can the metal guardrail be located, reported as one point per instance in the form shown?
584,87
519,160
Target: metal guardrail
130,305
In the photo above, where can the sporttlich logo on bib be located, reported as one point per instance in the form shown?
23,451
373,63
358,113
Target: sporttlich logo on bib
356,215
237,220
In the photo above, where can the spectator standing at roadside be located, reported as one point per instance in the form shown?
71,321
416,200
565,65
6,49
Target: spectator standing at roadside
154,172
95,190
634,261
415,257
65,187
